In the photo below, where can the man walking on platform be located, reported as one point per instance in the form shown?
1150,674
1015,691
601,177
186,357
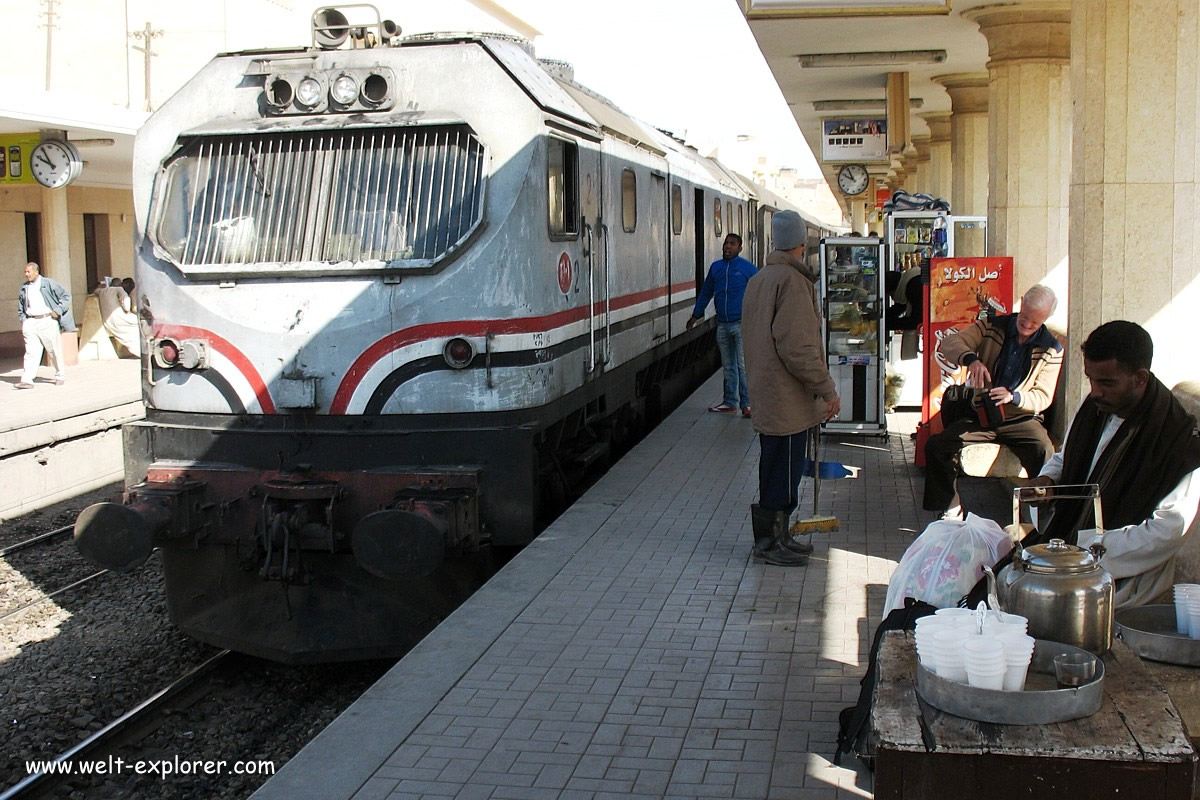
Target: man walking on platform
726,283
44,308
787,369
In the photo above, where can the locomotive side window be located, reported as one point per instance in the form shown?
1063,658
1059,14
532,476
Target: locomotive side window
717,217
562,163
729,216
397,195
676,209
741,228
628,200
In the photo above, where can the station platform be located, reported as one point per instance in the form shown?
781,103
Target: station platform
60,441
635,649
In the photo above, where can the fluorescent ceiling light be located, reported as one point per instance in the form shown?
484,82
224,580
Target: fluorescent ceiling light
878,58
859,105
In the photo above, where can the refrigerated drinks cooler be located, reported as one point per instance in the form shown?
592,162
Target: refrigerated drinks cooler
852,327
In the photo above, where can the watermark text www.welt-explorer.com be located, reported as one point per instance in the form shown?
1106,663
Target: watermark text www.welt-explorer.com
162,768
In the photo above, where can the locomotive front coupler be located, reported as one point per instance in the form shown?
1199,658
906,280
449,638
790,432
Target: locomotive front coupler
121,537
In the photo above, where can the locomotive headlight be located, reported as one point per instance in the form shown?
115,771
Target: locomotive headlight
458,353
344,89
308,92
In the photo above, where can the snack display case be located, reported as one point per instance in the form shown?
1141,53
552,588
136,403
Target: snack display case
852,321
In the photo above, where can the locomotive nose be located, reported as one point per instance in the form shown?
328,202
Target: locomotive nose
116,537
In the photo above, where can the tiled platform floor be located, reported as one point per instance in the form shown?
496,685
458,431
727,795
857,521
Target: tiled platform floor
635,650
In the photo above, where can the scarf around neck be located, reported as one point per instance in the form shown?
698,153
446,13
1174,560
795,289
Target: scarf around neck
1149,454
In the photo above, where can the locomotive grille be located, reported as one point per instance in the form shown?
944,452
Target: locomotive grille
393,195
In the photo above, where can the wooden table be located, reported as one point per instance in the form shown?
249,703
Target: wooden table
1133,748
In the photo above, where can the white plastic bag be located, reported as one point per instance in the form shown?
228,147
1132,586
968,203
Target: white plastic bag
946,561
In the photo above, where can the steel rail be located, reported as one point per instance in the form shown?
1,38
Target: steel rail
40,781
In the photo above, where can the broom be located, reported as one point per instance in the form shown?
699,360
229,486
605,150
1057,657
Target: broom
816,522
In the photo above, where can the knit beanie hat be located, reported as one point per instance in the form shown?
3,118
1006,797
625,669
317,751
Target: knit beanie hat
788,230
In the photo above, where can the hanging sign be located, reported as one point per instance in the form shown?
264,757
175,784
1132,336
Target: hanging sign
14,157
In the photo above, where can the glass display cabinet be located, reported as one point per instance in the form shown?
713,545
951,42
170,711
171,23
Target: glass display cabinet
852,309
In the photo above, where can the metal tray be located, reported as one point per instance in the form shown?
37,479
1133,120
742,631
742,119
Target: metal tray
1041,703
1150,632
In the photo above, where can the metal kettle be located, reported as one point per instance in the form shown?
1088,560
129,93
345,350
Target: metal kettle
1062,589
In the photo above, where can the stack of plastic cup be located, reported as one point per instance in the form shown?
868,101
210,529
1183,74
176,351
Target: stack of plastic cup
1183,621
1193,603
924,637
954,614
1018,652
983,658
948,653
993,628
1011,619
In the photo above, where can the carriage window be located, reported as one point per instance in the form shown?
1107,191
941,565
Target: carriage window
729,216
741,228
717,217
628,200
676,209
562,167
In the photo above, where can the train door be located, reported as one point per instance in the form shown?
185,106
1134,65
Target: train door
660,251
595,251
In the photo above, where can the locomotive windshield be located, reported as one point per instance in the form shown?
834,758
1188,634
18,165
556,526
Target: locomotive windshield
407,195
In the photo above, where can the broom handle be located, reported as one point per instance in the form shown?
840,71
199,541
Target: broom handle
816,446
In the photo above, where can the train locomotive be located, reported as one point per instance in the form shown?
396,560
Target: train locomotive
396,296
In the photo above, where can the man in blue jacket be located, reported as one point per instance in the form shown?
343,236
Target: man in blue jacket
726,283
44,308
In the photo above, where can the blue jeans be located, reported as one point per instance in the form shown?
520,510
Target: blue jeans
733,362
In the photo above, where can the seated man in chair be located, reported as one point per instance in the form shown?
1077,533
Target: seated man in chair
1135,439
1016,359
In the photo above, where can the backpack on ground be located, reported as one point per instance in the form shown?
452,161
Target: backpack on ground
855,733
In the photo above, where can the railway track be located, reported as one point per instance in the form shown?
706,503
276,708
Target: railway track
126,730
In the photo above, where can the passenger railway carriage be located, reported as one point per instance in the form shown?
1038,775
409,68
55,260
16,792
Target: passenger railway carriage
397,296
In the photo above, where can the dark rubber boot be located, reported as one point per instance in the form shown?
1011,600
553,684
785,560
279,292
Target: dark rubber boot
795,543
770,533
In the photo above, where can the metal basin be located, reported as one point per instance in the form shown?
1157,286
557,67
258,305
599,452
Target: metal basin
1041,703
1150,632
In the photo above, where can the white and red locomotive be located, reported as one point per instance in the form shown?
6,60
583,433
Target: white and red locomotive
396,297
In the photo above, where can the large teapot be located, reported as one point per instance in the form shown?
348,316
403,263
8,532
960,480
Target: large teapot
1062,589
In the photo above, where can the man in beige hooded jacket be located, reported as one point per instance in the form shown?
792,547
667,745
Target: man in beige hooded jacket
789,380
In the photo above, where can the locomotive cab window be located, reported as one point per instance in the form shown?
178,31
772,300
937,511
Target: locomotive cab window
717,217
676,209
562,161
628,200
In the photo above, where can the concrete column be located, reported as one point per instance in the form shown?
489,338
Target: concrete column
968,141
920,162
858,215
1135,177
940,177
968,152
1030,144
56,239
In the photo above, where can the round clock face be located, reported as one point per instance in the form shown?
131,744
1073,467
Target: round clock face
853,179
54,164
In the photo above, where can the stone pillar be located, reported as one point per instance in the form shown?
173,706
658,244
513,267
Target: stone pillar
940,178
968,150
920,164
1135,178
858,215
56,257
1030,137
